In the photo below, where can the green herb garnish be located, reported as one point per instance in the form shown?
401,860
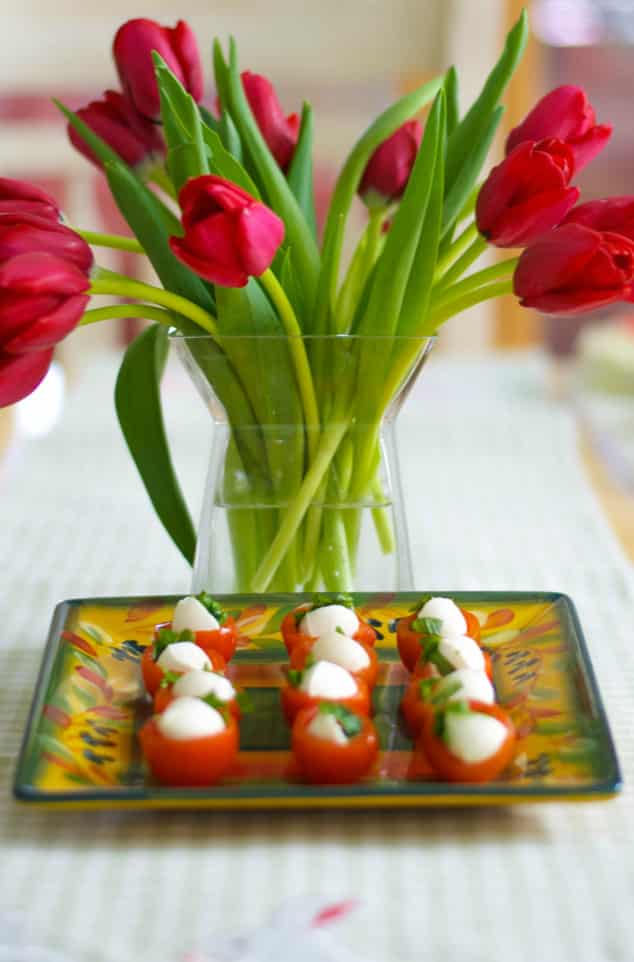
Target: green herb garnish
310,660
294,677
323,600
350,723
212,606
169,677
437,693
421,602
427,626
168,637
430,652
453,708
221,706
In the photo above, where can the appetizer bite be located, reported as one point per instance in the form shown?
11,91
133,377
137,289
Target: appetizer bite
423,694
197,684
333,745
323,681
433,616
191,743
324,616
212,628
441,656
178,654
468,741
340,649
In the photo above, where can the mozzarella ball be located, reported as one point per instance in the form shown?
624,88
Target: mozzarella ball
326,680
198,684
183,656
341,650
325,620
190,614
447,612
188,718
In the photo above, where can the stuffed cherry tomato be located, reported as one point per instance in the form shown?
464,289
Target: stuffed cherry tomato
359,659
468,741
191,743
176,657
198,684
333,745
424,693
209,624
325,616
323,681
439,616
446,655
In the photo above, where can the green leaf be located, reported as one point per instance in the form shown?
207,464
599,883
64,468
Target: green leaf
221,75
226,165
138,406
467,176
346,188
275,187
182,164
451,93
470,130
300,172
208,119
325,600
139,207
179,109
230,136
292,284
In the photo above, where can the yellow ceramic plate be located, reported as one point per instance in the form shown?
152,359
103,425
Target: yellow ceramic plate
81,749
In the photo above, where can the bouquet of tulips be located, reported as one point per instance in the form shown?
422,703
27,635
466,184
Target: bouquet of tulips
221,203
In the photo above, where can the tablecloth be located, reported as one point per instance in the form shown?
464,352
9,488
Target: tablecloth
496,498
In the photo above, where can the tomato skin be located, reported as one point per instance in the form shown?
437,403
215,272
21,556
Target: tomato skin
323,762
473,625
414,709
196,761
153,673
223,640
453,769
164,697
301,651
365,633
294,700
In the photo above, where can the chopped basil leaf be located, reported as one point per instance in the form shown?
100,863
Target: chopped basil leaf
214,701
167,637
310,660
294,677
426,688
169,677
212,606
350,723
339,630
422,601
455,708
323,600
444,693
430,652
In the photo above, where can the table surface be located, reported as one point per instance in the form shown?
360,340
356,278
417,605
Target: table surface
497,498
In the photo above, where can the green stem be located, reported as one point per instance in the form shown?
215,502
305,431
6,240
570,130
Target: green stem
360,266
298,352
469,300
107,282
473,282
158,175
464,262
296,510
127,310
458,247
114,241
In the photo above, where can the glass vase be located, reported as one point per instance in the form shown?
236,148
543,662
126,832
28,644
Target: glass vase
303,491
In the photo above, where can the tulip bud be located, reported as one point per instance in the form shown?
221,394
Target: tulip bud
565,114
20,197
133,46
23,234
527,194
115,119
574,269
279,132
614,214
229,236
387,172
20,374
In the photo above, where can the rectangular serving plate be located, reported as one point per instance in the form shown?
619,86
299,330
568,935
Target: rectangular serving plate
80,748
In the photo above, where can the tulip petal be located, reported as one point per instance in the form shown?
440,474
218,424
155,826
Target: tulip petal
19,311
49,328
202,196
132,49
576,302
41,273
587,147
279,132
563,113
17,190
554,261
42,210
185,48
614,214
48,237
524,223
208,249
19,376
259,233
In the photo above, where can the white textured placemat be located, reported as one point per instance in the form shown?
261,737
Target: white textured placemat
496,499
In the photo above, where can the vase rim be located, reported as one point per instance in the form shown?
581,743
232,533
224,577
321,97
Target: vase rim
178,336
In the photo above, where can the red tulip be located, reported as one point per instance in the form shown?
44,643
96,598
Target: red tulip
42,298
133,46
389,167
20,197
615,214
527,194
229,236
279,132
566,114
574,269
115,119
25,233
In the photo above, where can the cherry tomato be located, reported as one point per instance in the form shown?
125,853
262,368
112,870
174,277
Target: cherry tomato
194,761
302,649
153,673
424,669
414,708
322,761
164,697
365,633
454,769
294,699
223,640
408,641
473,625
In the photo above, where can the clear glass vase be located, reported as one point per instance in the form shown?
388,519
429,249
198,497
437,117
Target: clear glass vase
303,491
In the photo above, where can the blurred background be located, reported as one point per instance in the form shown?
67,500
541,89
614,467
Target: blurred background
378,50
